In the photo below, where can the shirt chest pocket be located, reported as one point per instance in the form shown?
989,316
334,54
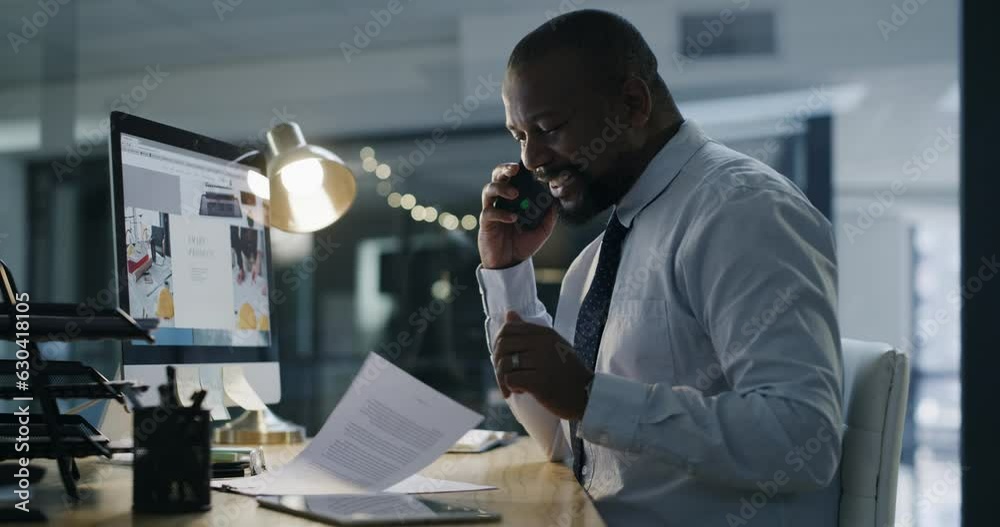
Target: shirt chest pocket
635,341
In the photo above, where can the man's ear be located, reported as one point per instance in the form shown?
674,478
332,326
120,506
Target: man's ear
638,101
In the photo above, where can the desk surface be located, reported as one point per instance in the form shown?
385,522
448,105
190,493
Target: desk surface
530,491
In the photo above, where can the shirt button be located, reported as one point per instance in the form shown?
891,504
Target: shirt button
585,470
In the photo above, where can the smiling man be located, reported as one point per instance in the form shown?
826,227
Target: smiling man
693,368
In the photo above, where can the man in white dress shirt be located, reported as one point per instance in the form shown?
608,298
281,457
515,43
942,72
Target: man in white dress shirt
693,368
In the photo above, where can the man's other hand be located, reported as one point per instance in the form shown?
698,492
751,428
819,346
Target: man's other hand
537,360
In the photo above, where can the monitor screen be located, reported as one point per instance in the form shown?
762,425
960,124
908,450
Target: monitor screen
193,247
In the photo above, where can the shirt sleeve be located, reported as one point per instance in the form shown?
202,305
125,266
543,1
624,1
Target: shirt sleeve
759,273
513,289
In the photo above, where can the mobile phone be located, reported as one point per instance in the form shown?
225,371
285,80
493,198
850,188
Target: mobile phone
533,199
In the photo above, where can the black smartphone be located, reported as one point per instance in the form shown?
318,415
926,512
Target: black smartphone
533,199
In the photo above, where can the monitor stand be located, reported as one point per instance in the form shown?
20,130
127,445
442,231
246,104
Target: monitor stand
259,427
254,427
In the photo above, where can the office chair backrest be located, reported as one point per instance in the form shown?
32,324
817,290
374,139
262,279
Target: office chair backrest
876,383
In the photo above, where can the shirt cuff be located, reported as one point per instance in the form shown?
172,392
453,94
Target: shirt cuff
512,288
611,418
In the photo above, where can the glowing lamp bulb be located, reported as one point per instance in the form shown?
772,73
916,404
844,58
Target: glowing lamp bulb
303,176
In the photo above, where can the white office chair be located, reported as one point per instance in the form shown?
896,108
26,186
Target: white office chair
876,383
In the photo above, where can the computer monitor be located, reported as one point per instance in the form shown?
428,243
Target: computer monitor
192,250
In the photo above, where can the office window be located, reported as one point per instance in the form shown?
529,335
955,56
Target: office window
930,486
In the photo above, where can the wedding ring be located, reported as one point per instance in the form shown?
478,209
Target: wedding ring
515,360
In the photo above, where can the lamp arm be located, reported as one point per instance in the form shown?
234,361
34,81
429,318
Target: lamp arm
245,155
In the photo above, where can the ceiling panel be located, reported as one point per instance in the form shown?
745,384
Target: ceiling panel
122,36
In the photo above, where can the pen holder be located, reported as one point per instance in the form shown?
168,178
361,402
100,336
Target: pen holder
173,460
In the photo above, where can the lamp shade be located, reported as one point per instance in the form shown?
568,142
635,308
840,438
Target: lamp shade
310,187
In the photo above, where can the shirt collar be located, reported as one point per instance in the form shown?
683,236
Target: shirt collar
661,171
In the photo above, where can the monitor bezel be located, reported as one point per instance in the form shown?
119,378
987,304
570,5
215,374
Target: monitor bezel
153,354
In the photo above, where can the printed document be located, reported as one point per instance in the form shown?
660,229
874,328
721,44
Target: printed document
386,428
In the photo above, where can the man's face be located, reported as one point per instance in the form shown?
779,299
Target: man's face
570,130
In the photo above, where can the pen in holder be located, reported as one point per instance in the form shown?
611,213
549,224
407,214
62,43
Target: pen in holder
173,454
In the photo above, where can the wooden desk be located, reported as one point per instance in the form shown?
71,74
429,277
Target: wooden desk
530,491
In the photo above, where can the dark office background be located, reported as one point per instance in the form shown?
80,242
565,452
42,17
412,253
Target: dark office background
320,342
821,91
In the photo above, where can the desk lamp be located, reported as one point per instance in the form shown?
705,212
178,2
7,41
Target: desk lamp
309,188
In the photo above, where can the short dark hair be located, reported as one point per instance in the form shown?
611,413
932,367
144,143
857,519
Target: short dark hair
613,42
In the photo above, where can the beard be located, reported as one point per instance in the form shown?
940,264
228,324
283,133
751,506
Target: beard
595,195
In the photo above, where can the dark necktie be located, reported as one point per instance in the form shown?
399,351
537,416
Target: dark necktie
594,314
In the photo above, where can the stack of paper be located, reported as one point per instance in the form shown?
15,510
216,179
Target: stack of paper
386,428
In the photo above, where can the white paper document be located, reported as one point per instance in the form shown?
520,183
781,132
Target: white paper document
386,428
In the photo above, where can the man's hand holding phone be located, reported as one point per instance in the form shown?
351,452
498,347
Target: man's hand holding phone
503,242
